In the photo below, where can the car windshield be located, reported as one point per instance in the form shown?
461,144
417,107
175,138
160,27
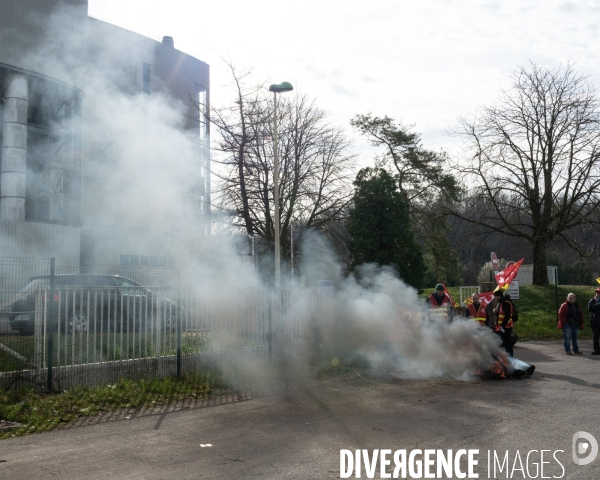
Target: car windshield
95,281
35,283
123,282
80,280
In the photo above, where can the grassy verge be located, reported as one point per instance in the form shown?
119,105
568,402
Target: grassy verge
537,309
40,412
341,366
74,349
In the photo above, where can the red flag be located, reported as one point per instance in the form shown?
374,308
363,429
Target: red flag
485,298
508,274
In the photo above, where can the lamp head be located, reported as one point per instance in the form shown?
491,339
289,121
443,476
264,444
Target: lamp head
281,87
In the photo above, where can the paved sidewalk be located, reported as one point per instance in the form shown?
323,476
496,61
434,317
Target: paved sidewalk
299,431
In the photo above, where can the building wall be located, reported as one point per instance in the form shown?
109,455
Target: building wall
23,29
172,72
40,240
31,31
106,246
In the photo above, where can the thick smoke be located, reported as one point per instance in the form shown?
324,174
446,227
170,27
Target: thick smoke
388,323
375,314
148,171
138,162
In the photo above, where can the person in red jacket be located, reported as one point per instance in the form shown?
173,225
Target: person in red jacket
570,320
440,305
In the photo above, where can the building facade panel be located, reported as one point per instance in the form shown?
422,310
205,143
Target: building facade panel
55,167
40,240
25,25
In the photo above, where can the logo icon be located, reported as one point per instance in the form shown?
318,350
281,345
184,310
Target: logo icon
584,443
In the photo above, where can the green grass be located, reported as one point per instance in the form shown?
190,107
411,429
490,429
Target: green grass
79,348
537,309
39,412
340,366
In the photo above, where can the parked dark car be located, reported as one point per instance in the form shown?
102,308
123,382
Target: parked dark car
95,302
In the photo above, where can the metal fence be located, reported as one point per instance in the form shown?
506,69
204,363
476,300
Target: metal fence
15,273
71,334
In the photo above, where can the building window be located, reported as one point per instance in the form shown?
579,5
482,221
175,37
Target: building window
201,114
146,261
146,78
53,153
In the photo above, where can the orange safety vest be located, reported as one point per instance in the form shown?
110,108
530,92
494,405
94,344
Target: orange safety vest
479,315
439,312
501,315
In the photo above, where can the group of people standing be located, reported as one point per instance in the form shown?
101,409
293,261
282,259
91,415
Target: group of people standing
570,317
571,320
502,322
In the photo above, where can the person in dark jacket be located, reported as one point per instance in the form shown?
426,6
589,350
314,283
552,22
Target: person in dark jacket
594,308
504,324
570,320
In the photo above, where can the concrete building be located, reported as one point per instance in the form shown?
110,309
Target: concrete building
52,179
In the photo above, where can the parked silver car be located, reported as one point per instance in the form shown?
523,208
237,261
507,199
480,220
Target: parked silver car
95,302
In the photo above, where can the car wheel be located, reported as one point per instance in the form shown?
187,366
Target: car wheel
78,323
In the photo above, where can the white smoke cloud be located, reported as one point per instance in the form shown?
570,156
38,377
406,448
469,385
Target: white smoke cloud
148,168
383,319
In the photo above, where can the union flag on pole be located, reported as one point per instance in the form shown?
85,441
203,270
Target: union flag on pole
508,274
485,298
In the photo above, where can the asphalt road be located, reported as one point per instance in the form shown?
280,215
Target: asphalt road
298,431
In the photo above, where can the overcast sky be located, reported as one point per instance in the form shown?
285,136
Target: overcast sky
424,62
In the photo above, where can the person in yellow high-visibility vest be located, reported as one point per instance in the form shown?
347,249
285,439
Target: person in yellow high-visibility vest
476,311
440,305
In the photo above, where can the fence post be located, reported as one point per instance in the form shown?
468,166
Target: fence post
270,325
178,317
556,289
159,330
39,328
50,323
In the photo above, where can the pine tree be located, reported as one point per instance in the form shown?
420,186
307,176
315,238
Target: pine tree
441,261
380,226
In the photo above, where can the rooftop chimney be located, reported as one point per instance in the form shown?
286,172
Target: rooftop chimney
168,41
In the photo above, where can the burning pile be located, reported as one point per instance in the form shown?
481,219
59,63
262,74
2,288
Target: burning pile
506,367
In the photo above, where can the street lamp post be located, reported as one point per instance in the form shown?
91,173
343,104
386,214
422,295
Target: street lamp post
292,250
277,88
251,237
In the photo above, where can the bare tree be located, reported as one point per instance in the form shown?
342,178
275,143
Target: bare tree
316,164
474,242
534,160
239,126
